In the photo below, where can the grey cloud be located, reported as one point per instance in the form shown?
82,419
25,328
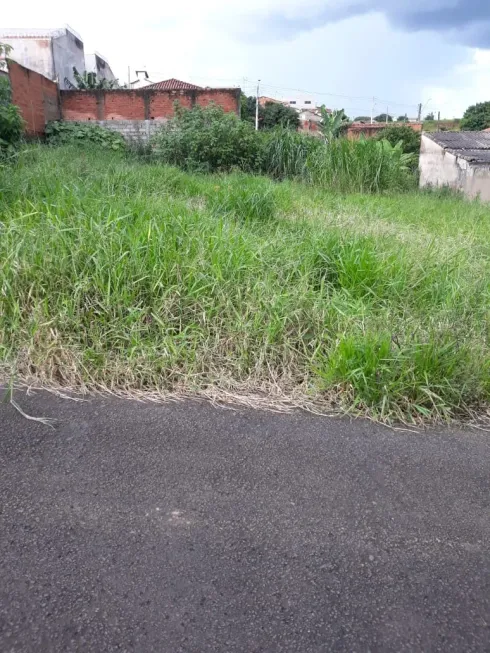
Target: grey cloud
468,21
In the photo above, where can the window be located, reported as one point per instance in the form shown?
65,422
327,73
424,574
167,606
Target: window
307,101
292,101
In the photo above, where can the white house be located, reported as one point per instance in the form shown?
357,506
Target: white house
460,160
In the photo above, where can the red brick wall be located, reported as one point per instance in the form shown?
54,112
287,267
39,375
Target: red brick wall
35,95
368,130
141,104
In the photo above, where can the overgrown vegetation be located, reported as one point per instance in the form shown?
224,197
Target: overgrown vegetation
210,140
83,133
403,134
141,277
88,81
476,117
271,114
11,123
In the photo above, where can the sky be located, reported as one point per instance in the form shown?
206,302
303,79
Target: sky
340,53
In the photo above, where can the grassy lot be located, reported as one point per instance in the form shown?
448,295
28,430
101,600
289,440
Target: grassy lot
120,274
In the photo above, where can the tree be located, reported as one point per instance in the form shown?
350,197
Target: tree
362,119
11,123
430,116
5,50
402,118
333,123
270,115
383,117
476,117
394,134
88,81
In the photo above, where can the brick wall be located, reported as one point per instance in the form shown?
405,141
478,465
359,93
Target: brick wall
368,130
141,104
36,96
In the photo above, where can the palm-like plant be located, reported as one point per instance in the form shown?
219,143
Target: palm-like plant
88,81
332,123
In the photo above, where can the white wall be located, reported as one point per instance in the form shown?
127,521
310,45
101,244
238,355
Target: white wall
32,52
67,53
440,168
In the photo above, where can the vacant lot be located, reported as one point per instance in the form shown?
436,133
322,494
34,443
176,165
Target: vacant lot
132,276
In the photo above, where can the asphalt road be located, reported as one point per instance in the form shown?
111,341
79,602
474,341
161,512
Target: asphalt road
182,527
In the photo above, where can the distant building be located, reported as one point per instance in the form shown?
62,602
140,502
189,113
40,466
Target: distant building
301,102
142,80
310,120
98,64
460,160
53,53
263,100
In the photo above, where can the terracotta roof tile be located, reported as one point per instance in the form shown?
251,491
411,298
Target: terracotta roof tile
172,85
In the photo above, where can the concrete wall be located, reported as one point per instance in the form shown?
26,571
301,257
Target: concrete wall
36,96
134,131
67,53
142,104
33,52
51,53
440,168
95,63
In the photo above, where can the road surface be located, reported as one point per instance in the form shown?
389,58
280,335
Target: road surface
188,528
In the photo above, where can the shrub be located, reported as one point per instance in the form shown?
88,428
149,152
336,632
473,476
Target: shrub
244,197
208,140
409,138
476,117
11,126
59,132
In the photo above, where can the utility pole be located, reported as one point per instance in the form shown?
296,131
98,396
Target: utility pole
419,114
386,121
129,76
257,107
372,111
438,119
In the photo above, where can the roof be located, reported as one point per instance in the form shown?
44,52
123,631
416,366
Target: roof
472,146
172,85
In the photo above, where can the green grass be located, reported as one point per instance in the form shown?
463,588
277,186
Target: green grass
140,277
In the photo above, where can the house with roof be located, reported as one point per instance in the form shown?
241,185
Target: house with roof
459,160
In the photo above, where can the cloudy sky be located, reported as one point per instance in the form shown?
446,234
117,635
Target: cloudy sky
341,52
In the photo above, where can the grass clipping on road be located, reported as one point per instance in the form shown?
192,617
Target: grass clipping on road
141,278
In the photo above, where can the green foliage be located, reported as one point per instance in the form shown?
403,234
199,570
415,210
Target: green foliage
476,117
89,81
363,165
271,115
83,133
141,277
409,138
274,114
5,50
5,91
430,116
383,117
402,118
11,126
284,153
207,139
333,123
362,119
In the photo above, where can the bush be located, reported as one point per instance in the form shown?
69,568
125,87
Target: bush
476,117
58,133
409,138
208,140
11,126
